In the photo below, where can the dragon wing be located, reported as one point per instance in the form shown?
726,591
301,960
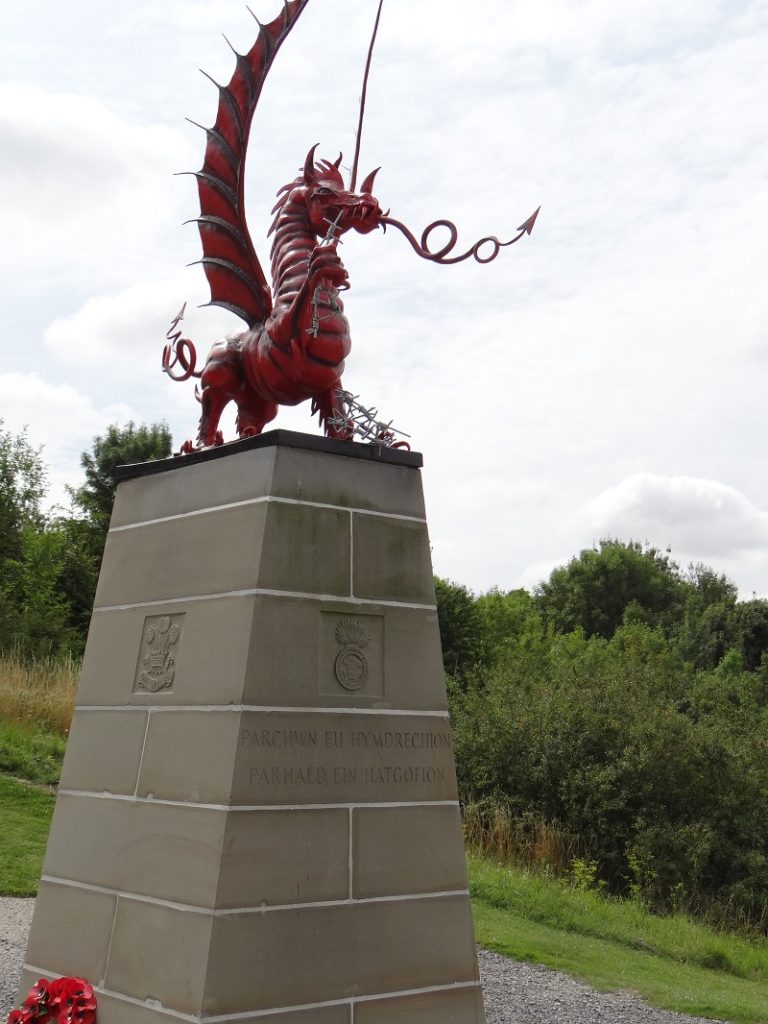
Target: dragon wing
233,270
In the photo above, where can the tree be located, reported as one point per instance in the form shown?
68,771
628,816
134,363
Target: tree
87,535
120,446
460,627
44,621
22,486
707,628
601,588
751,626
505,619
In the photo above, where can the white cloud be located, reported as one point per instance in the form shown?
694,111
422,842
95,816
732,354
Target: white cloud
61,420
84,192
692,515
125,330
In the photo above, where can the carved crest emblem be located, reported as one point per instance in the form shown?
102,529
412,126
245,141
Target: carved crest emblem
351,665
158,664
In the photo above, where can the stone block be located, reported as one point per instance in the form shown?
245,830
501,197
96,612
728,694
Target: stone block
305,549
323,953
240,477
188,756
71,931
287,856
113,1010
391,560
159,954
210,553
347,483
401,850
270,545
338,1014
171,853
404,667
95,737
457,1006
210,655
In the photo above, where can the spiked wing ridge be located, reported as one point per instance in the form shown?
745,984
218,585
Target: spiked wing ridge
233,270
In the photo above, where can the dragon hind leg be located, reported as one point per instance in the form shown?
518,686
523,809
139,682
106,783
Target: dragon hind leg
222,381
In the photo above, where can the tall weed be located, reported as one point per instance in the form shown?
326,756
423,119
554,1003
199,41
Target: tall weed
491,829
38,695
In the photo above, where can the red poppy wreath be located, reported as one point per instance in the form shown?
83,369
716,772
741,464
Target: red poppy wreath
63,1001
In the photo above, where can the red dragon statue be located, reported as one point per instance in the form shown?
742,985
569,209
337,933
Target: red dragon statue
297,337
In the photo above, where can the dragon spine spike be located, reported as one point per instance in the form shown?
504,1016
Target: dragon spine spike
220,141
208,219
213,261
230,45
217,183
210,78
254,16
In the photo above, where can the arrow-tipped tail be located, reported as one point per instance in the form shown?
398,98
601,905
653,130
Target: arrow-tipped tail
527,225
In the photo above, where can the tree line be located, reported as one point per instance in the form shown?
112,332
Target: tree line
624,704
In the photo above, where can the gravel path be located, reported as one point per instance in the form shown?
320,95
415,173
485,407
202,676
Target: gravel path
15,919
515,993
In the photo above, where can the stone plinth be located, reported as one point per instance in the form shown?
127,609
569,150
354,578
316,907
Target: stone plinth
258,819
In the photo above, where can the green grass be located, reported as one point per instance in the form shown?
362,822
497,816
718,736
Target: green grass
29,753
25,813
673,962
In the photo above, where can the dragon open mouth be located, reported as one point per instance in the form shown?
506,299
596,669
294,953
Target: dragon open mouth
364,216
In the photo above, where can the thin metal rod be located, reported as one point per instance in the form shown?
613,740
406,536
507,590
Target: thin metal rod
353,179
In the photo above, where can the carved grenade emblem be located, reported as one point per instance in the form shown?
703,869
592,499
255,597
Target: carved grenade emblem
351,665
159,661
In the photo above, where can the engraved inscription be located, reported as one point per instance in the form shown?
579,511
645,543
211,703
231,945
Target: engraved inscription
278,737
352,654
156,667
301,759
317,775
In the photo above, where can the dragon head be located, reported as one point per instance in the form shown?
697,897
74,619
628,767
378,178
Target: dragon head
332,208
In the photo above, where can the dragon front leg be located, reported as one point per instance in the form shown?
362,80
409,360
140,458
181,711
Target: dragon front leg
333,415
325,270
253,414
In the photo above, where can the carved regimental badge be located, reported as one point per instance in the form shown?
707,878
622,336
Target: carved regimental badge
351,665
351,656
157,659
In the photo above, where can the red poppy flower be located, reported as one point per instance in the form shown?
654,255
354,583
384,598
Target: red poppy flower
23,1016
81,1011
36,1003
63,992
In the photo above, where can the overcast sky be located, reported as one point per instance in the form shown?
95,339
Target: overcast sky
604,377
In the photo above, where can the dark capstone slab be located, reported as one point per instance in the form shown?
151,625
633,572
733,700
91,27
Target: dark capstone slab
272,439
